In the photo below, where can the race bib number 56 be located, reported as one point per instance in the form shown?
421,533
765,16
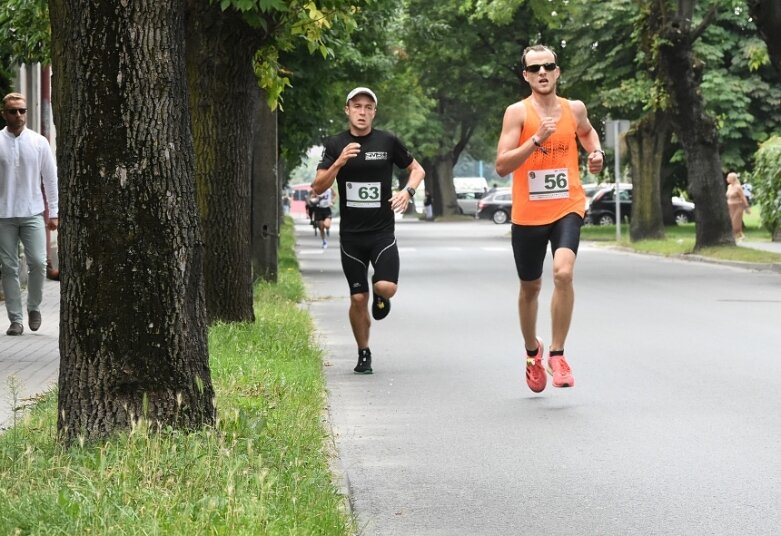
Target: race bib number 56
548,184
363,194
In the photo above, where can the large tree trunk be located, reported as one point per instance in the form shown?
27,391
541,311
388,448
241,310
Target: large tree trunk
682,75
646,142
266,194
223,97
439,181
767,16
133,324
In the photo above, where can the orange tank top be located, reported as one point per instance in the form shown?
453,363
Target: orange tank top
546,187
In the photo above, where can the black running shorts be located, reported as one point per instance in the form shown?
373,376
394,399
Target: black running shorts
530,241
322,213
378,249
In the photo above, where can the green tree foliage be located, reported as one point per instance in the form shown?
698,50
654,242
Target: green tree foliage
461,62
24,25
767,17
361,53
612,72
767,184
315,25
26,33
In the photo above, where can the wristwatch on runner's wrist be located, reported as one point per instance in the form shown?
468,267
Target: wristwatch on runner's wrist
410,191
600,151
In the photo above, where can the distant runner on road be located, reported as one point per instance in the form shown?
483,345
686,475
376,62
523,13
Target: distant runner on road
361,161
538,145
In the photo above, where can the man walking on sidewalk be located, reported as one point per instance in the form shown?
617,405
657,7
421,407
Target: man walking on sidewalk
25,158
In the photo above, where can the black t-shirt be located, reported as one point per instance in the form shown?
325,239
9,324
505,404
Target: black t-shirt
365,182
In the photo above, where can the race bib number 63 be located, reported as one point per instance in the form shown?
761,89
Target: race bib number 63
548,184
363,194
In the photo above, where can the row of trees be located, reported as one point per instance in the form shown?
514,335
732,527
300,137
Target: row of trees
694,77
156,105
167,130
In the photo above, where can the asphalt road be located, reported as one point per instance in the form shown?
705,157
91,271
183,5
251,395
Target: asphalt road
673,426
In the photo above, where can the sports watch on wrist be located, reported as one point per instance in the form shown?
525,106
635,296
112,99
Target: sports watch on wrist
600,151
411,191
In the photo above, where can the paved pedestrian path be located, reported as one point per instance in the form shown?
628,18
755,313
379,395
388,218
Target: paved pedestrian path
31,361
773,247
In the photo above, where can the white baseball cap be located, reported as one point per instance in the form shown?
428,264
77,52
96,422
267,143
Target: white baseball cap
360,91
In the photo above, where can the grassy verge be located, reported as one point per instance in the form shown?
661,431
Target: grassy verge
679,240
262,470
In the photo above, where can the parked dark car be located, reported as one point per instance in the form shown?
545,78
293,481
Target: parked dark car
602,209
496,205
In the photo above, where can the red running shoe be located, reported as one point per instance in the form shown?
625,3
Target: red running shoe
559,369
535,373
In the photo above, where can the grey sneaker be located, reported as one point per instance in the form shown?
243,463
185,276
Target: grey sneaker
15,329
34,320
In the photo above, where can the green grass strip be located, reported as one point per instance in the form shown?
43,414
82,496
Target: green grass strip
679,240
262,470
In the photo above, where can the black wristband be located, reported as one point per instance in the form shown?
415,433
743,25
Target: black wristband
535,142
410,191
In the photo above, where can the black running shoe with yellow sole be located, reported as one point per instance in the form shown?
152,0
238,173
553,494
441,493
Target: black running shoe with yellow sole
380,307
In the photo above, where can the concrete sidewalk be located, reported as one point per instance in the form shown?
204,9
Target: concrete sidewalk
33,359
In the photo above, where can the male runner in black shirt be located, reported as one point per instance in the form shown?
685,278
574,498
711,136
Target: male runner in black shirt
361,162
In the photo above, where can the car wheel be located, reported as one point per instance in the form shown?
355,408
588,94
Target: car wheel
499,217
681,218
606,219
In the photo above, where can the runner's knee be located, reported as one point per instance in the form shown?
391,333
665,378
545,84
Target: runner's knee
386,289
562,276
359,300
530,289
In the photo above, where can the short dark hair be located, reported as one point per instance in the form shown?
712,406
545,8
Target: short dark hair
537,48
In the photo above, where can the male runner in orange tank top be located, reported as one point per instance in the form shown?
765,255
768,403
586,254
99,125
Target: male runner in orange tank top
538,145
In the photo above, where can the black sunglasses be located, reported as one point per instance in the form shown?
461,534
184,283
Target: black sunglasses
536,67
17,111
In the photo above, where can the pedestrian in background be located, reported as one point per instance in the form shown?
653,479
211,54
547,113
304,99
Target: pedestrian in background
323,215
25,159
737,204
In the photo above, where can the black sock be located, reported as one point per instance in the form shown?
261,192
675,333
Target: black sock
557,353
532,353
364,352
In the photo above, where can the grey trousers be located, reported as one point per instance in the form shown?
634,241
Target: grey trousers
31,232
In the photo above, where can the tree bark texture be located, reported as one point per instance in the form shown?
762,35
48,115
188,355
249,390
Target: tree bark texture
266,194
681,73
767,17
223,98
646,142
133,332
439,181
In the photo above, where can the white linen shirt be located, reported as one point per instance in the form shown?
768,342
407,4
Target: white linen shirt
24,161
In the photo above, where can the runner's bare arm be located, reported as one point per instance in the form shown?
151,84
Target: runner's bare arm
588,136
510,155
401,199
324,178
